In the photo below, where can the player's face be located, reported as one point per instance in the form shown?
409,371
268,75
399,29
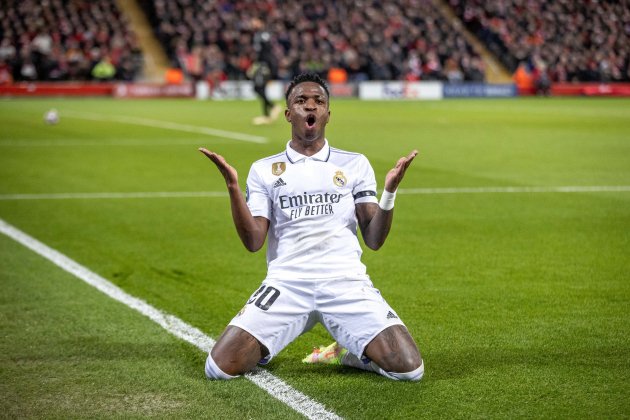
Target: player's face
308,111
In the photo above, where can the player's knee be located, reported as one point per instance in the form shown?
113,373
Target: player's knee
414,375
213,371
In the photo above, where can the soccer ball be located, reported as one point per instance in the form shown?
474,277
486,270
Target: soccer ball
51,117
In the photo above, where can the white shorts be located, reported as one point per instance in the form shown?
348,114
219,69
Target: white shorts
352,310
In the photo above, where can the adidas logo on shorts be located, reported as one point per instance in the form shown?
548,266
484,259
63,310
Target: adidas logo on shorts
279,183
391,315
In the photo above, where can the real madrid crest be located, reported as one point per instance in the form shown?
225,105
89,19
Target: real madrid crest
339,179
278,168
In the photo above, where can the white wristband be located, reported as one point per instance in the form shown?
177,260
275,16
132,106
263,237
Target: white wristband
387,200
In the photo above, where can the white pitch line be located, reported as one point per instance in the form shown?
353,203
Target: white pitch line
408,191
168,125
114,195
100,143
263,379
486,190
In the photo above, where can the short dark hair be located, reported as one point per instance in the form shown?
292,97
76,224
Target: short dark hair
306,77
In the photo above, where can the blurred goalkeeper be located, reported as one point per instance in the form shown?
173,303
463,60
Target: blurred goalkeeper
309,200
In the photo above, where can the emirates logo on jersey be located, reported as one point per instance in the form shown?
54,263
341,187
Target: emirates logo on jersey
339,179
278,168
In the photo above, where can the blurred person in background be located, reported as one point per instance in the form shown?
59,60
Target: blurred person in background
6,78
262,71
104,70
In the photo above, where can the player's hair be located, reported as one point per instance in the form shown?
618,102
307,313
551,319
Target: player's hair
306,77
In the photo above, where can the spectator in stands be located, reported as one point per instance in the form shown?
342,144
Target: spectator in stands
337,75
453,73
523,78
474,69
214,66
7,50
174,76
78,63
28,71
432,67
191,62
542,82
6,77
413,70
104,70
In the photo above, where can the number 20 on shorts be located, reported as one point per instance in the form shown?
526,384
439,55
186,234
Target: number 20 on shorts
266,295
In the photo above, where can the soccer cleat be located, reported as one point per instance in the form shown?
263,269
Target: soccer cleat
331,355
275,112
261,120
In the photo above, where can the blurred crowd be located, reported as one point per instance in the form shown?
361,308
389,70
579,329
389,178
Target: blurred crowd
66,40
342,40
356,40
563,40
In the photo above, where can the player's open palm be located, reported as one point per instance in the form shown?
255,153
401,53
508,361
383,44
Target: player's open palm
228,172
396,174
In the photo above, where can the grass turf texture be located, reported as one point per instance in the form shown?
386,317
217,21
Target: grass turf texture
519,302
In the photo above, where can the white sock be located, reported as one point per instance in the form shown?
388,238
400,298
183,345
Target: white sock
214,372
351,360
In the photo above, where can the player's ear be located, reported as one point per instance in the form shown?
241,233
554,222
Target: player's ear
287,115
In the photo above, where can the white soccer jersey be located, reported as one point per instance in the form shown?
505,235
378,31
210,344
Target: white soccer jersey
310,203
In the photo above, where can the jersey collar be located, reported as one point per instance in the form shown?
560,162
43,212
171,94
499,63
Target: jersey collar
295,157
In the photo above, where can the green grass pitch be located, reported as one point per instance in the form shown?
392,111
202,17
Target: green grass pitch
519,302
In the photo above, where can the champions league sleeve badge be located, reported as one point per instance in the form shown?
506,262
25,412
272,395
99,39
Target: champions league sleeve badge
278,168
340,179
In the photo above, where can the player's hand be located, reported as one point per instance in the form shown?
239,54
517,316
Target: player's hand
396,174
229,173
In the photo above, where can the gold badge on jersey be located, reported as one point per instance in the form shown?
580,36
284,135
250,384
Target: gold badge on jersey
339,179
278,168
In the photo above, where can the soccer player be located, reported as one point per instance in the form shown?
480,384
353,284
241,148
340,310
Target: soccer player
261,72
308,200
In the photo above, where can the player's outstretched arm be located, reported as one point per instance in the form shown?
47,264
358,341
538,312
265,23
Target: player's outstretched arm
252,230
374,221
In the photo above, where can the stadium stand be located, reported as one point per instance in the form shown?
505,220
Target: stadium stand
563,41
369,40
55,40
540,43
